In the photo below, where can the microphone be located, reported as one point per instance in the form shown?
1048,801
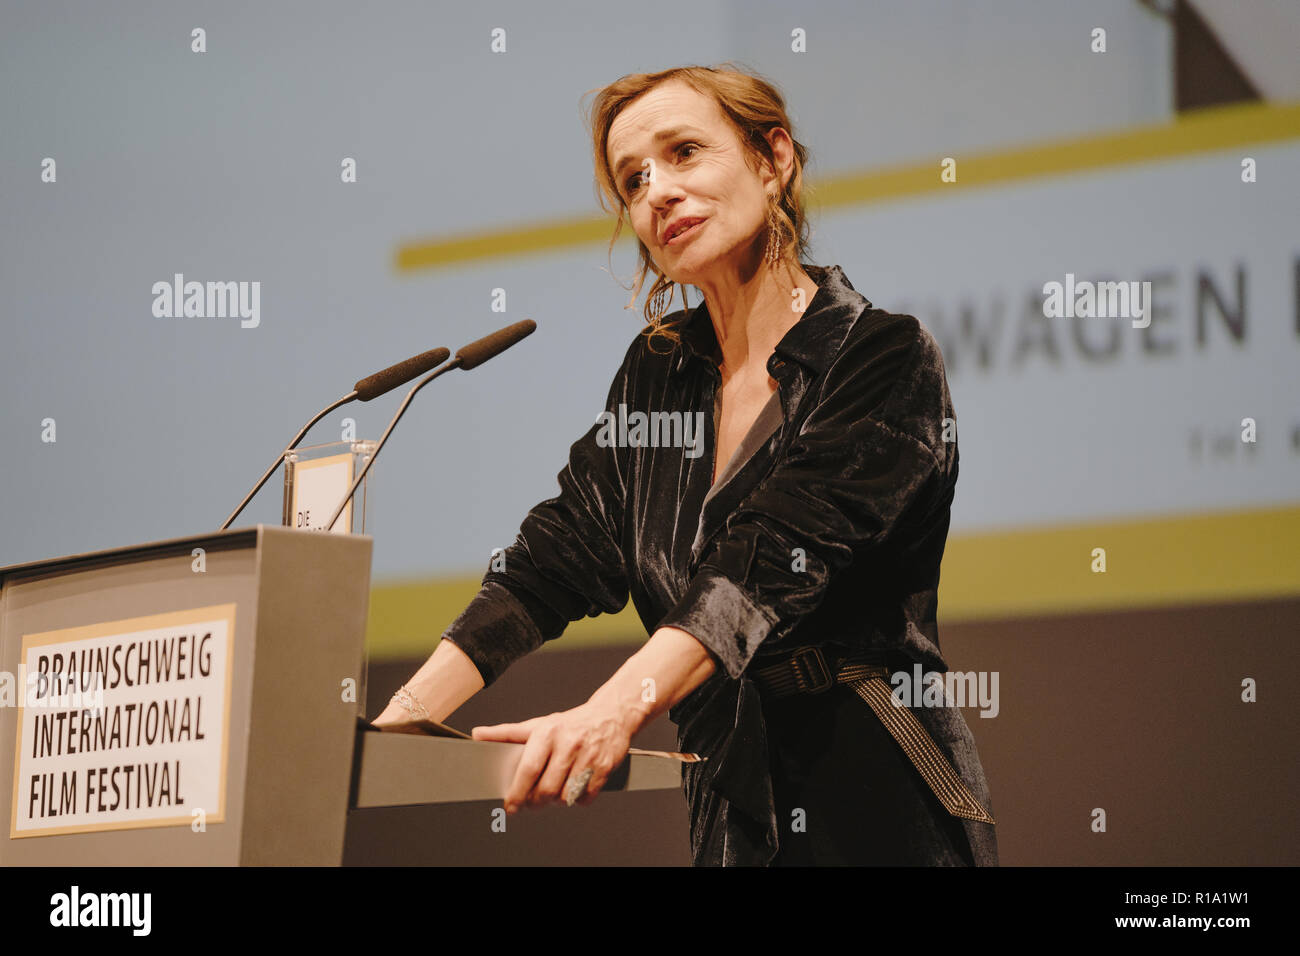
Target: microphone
370,387
467,357
476,353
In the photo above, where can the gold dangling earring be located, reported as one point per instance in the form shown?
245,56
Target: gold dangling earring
773,254
659,303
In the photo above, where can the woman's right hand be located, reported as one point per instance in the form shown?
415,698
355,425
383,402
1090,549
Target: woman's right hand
444,682
394,713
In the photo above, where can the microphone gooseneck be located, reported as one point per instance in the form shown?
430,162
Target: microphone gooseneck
467,357
370,387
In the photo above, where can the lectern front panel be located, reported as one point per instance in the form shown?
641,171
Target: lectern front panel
156,776
220,730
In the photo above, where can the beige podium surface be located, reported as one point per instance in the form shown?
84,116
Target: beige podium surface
405,769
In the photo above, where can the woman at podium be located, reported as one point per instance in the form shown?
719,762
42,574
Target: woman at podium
770,484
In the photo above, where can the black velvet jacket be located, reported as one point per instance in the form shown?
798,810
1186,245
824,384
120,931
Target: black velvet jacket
855,472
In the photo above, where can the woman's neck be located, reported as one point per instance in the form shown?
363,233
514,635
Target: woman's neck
750,318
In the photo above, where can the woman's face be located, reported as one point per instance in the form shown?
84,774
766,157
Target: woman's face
696,171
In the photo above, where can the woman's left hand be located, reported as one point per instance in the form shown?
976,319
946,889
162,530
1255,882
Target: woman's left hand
560,746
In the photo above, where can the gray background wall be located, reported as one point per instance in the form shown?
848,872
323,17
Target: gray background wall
225,166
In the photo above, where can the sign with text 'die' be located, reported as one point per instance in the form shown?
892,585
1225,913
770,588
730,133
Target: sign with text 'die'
318,487
124,724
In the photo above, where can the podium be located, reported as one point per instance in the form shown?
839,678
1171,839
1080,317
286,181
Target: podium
199,701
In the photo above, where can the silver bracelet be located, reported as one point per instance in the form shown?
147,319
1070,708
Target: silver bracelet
411,703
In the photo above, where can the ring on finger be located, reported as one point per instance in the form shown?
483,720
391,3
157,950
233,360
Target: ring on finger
577,786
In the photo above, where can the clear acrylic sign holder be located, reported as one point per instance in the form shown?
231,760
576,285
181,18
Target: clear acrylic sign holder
315,480
344,459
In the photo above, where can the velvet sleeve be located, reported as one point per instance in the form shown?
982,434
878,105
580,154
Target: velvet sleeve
566,562
869,452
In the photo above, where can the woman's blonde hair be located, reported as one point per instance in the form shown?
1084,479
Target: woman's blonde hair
754,107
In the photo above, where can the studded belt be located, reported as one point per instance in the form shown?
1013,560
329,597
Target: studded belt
807,671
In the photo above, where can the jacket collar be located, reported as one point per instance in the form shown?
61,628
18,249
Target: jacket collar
813,341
